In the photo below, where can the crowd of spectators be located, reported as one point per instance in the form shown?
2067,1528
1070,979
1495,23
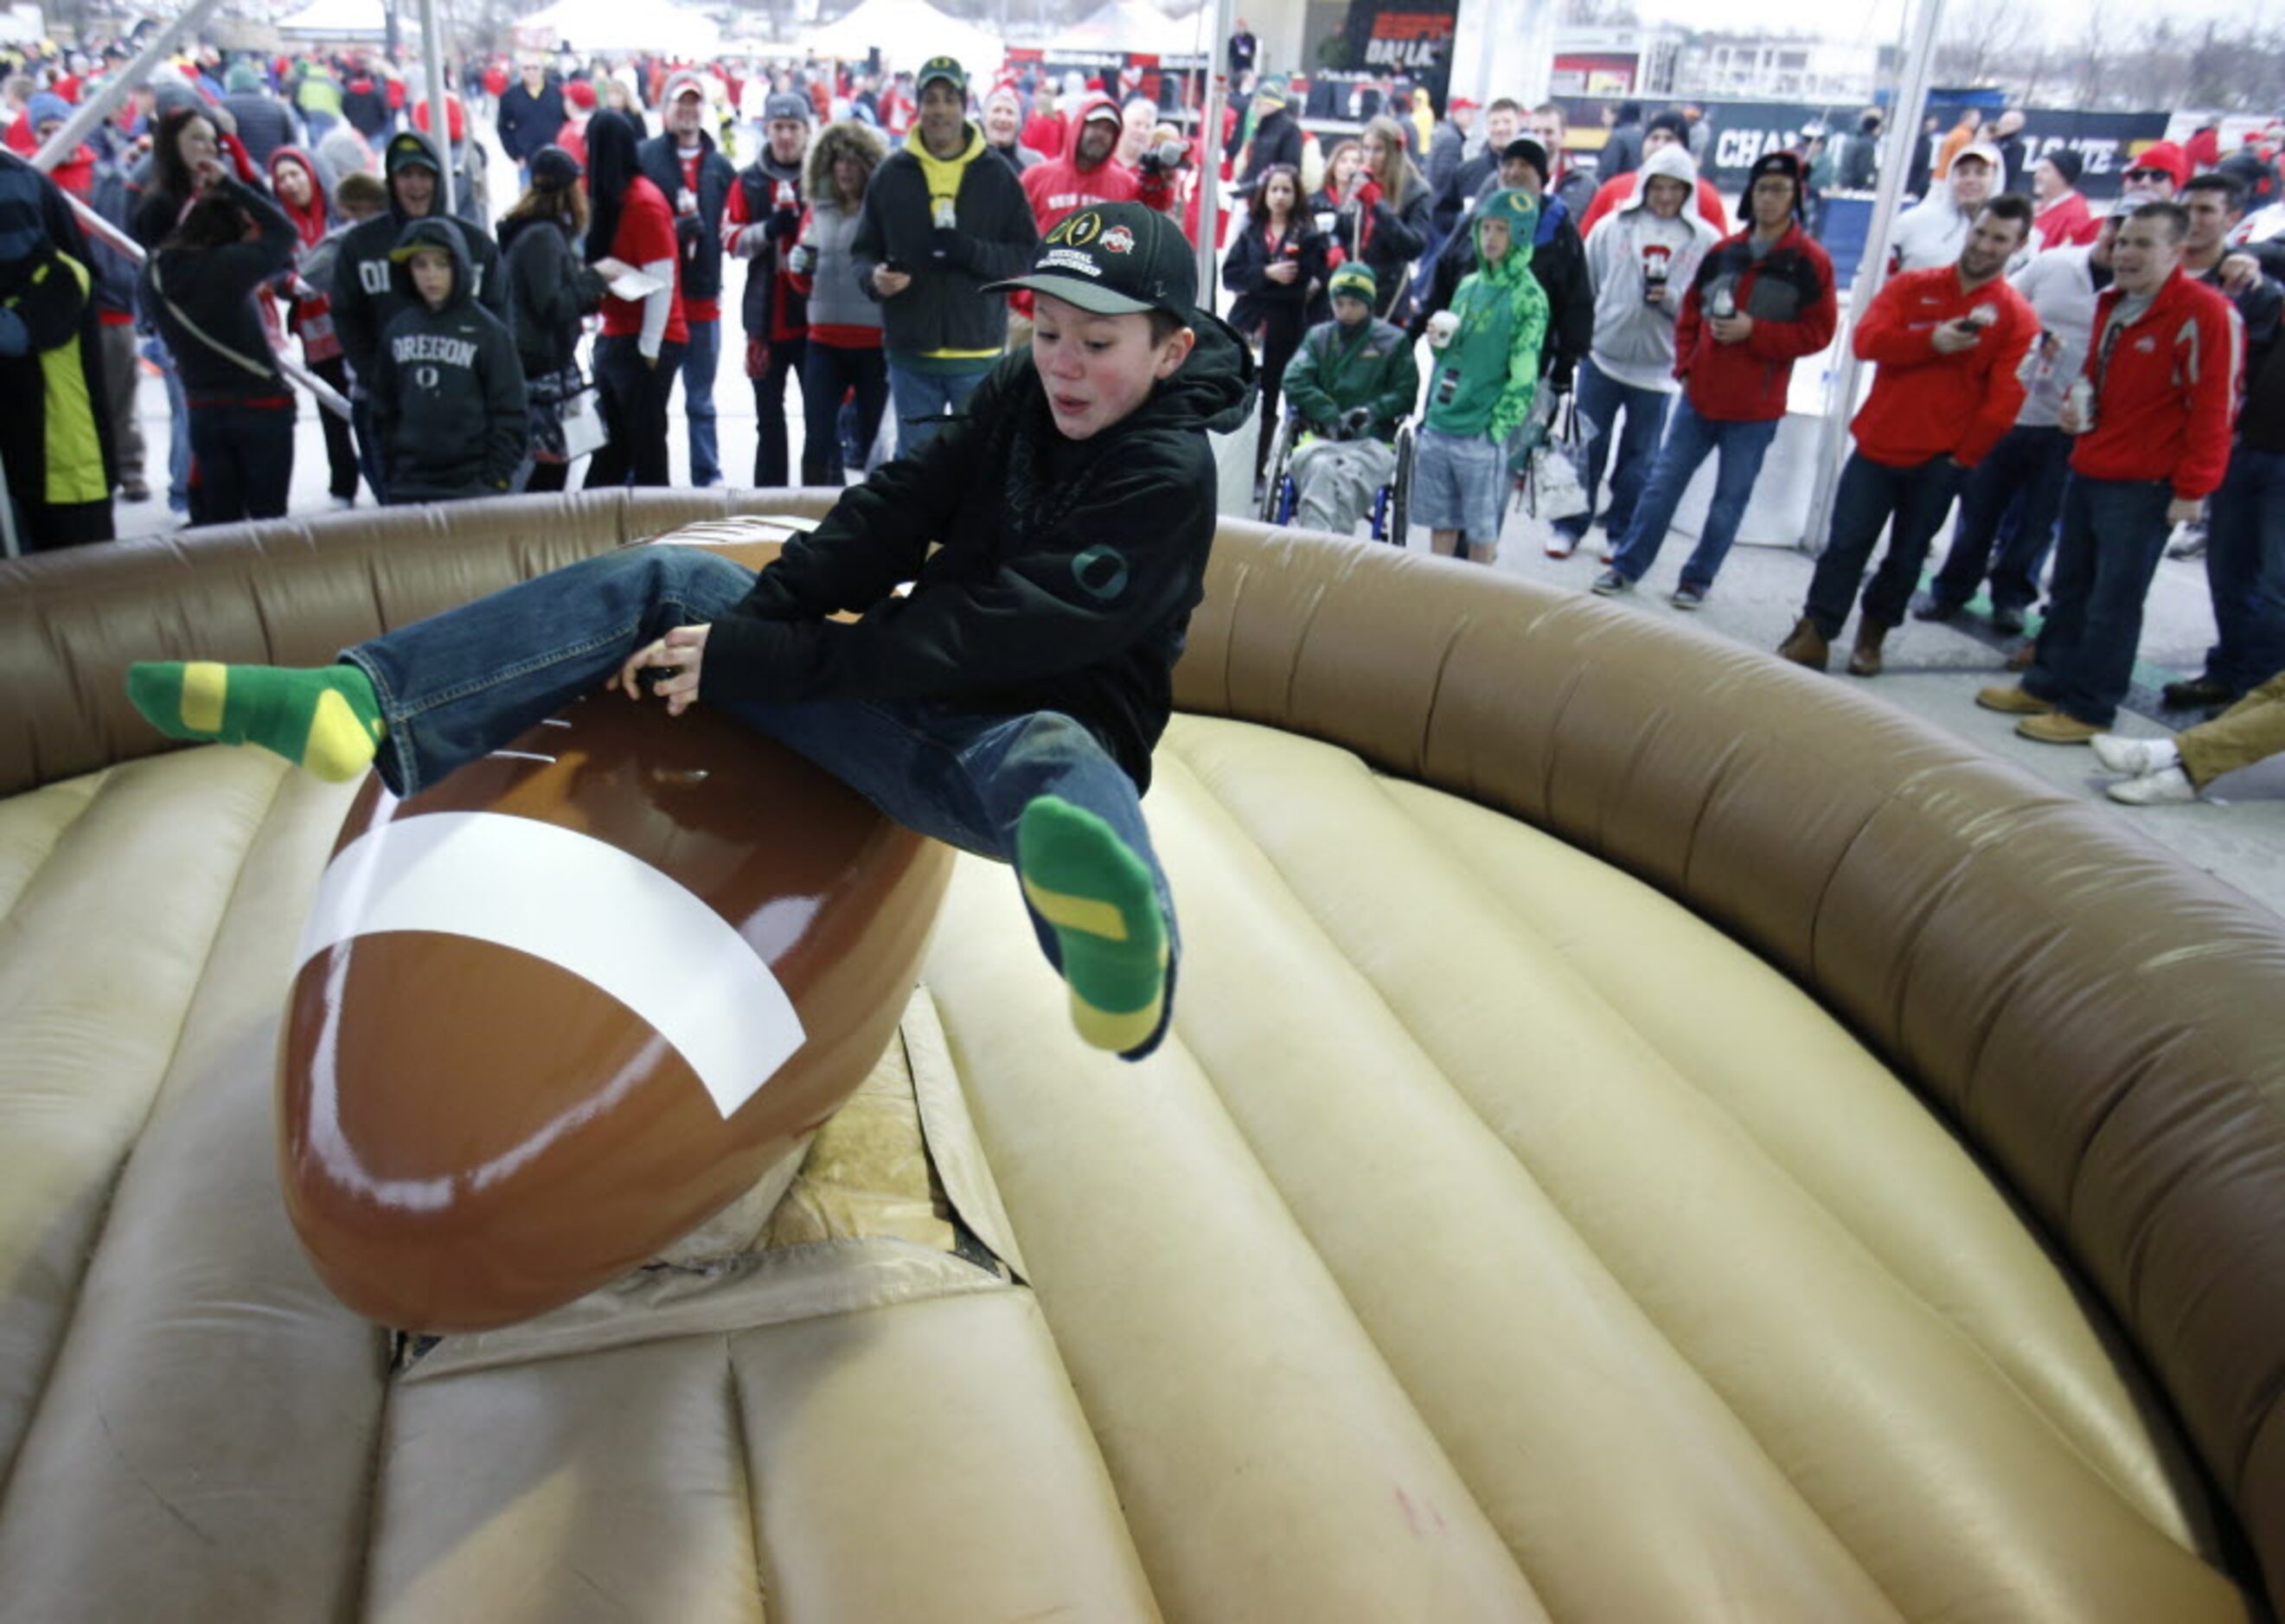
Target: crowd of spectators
298,204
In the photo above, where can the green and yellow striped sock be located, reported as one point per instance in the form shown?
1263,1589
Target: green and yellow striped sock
327,721
1095,893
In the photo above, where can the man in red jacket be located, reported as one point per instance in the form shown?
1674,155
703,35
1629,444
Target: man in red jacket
2154,428
1760,301
1090,174
1948,341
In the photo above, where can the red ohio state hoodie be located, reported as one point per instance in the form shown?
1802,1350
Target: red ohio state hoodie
1925,404
2166,390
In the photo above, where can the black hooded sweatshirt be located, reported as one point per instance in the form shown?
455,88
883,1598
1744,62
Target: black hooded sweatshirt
1064,582
448,396
366,298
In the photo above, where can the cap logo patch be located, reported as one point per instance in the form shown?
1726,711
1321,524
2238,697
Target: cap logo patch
1078,230
1118,240
1069,258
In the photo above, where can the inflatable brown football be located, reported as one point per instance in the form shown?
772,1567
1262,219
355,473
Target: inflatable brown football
559,1009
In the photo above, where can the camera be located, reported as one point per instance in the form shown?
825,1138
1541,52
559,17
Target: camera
1166,155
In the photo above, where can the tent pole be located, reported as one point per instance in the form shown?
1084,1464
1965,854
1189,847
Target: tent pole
440,103
99,106
1210,150
1873,270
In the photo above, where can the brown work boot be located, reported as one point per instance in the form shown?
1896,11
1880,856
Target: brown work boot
1865,659
1805,645
2012,701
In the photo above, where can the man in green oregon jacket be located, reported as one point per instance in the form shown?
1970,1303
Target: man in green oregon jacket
1351,382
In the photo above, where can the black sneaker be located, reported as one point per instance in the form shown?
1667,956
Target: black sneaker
1933,607
1610,584
2196,694
2008,622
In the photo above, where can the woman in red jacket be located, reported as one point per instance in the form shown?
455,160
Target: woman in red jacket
308,313
631,235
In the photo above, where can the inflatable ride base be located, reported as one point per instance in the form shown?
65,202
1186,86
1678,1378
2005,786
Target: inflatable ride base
1615,1158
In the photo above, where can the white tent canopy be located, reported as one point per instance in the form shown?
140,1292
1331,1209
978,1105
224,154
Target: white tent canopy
908,33
1138,26
587,25
344,20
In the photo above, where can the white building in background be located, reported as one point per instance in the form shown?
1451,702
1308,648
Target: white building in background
1752,66
1667,60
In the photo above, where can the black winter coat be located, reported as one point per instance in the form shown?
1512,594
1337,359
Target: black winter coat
761,181
213,289
699,233
1245,265
1276,139
549,288
366,298
1064,582
448,394
528,122
992,240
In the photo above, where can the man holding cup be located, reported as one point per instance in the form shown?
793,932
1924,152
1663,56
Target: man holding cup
1949,344
1641,260
942,218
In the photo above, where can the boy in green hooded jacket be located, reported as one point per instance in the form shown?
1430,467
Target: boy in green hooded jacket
1487,372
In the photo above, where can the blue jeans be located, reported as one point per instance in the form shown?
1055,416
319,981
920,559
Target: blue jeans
1690,440
1601,399
1870,495
2114,534
829,374
2245,571
923,398
700,358
2030,460
368,445
178,436
463,683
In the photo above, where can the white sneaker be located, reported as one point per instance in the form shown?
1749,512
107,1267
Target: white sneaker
1559,545
2170,787
2138,757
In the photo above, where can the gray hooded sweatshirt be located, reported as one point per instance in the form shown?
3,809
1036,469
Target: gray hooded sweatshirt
1634,337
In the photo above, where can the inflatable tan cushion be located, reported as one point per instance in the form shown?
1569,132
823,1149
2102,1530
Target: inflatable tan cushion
1647,1136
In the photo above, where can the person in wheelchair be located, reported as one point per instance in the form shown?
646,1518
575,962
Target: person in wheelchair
1348,386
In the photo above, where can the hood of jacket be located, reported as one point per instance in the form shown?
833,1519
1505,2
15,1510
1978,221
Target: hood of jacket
1514,206
319,207
1090,107
408,147
436,232
944,175
1214,390
1671,162
846,138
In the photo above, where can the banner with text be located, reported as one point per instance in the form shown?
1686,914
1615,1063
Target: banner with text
1743,130
1395,40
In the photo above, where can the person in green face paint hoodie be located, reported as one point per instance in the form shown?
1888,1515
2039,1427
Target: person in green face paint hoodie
1480,391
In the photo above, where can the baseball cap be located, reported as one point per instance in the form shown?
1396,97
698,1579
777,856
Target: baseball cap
686,84
1353,281
1460,104
1983,150
581,95
944,68
553,166
1114,259
785,104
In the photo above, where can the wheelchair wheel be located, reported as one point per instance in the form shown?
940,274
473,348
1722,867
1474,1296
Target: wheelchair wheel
1274,507
1400,491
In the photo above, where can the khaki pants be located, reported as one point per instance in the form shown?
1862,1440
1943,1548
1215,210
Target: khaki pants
120,375
2249,731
